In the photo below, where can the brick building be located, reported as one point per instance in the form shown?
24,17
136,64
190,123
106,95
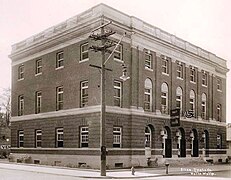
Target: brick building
56,95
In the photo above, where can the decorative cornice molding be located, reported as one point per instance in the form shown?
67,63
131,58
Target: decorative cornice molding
109,109
134,24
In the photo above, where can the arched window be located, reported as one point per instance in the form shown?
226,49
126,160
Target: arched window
179,94
203,106
219,112
148,137
192,101
148,95
164,98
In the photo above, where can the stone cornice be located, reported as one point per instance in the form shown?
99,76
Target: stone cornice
123,20
109,109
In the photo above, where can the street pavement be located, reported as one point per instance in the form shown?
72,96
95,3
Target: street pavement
20,171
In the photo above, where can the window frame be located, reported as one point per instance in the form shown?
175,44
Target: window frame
204,79
219,112
219,141
203,106
219,84
21,105
148,87
165,65
148,137
192,101
120,93
38,132
84,132
117,137
59,61
192,75
179,70
83,53
148,63
119,52
21,141
164,95
38,67
82,90
21,69
38,102
179,98
59,138
59,103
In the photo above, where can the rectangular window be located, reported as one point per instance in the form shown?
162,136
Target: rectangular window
59,59
20,138
147,99
84,94
179,70
219,140
38,102
59,98
84,136
38,138
84,52
59,137
20,105
148,60
117,137
38,68
192,75
204,79
21,72
117,93
165,65
219,84
118,53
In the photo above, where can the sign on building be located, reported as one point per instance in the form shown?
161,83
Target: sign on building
175,117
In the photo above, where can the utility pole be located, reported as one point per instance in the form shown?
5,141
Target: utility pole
104,48
105,44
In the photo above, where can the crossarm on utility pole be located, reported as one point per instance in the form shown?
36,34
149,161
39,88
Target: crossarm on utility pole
115,48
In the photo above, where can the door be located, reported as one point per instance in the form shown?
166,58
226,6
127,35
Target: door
195,148
182,148
168,148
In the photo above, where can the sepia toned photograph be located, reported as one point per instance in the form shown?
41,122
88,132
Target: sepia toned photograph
103,89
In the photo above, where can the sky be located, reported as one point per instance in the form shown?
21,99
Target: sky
205,23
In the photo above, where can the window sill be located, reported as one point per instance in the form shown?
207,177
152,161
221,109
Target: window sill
118,60
84,60
204,85
149,69
165,74
192,82
59,68
38,74
20,79
180,78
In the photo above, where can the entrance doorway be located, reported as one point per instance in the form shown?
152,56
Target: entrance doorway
181,142
166,142
194,143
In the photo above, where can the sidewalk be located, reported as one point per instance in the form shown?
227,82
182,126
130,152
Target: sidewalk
114,174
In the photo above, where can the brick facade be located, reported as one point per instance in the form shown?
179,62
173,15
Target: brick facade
131,116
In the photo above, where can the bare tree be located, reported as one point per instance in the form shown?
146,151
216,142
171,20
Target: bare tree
5,104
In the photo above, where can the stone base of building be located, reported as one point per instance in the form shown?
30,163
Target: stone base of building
125,161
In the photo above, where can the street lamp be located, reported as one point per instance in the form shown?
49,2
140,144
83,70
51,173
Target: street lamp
105,44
